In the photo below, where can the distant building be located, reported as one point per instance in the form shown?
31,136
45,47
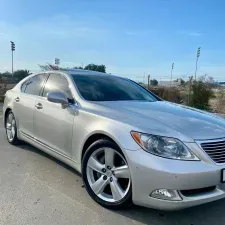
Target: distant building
221,83
175,83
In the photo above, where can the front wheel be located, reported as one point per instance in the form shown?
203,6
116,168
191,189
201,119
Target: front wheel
106,175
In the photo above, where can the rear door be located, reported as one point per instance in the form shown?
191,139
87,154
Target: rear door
25,101
53,125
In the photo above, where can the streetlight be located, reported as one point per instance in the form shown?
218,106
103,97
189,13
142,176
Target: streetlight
198,54
12,49
171,74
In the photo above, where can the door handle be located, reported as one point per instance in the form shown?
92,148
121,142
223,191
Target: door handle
17,99
39,106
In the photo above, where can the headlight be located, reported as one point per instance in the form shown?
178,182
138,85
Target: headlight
163,146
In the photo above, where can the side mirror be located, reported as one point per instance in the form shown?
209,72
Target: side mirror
58,97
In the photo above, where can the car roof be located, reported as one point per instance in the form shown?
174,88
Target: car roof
82,72
71,72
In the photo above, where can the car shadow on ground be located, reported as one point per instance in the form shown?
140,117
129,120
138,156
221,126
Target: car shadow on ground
28,147
207,214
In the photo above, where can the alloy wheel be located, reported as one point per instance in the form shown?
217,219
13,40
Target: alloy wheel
108,174
11,127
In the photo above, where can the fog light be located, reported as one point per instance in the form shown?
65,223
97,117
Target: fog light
166,194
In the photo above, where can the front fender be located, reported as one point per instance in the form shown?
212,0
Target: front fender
86,125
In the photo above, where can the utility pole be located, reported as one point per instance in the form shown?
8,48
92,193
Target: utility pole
148,81
144,78
189,91
171,74
12,49
196,66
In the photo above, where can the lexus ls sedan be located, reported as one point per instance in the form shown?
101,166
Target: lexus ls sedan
129,145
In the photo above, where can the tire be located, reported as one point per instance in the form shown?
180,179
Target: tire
10,127
116,193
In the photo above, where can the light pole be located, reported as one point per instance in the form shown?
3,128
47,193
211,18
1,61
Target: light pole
148,81
171,74
12,49
196,66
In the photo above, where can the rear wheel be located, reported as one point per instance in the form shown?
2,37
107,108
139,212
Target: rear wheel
106,175
11,129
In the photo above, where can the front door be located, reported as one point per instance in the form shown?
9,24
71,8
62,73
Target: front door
53,125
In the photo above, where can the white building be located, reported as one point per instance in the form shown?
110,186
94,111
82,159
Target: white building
167,83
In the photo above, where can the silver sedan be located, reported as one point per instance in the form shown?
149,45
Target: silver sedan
129,145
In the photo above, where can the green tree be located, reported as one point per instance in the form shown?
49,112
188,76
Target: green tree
182,82
6,74
21,74
78,67
154,82
94,67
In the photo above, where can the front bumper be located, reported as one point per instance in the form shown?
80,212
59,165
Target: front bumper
149,173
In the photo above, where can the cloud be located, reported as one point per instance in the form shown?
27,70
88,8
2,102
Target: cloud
138,32
132,33
191,33
195,34
57,27
41,40
63,27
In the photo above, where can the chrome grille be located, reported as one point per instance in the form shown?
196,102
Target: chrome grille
215,149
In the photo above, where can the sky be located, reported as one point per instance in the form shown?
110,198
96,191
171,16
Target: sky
133,38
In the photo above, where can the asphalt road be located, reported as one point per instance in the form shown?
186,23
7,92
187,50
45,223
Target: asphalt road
1,104
38,189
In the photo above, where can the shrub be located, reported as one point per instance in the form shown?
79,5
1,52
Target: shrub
154,82
220,102
201,94
168,94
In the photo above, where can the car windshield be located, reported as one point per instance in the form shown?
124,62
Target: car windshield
110,88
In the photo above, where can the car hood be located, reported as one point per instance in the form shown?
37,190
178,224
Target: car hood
195,124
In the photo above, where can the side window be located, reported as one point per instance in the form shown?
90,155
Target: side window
33,85
56,83
24,85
